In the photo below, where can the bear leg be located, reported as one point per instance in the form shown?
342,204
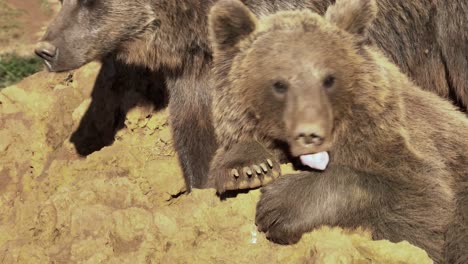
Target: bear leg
192,128
340,196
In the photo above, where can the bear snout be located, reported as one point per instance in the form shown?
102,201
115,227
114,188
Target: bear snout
309,138
309,125
309,134
47,52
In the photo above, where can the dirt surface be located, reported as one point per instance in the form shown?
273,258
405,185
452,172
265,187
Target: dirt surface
126,201
22,23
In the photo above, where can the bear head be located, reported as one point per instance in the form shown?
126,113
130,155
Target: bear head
295,76
85,30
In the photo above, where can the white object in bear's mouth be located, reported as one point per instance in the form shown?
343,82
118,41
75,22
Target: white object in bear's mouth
318,161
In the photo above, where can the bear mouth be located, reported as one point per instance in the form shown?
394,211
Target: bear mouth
298,149
318,161
315,157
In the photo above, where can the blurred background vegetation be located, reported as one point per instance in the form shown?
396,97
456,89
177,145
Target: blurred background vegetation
14,68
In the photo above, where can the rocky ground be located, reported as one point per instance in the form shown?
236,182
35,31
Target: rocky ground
88,175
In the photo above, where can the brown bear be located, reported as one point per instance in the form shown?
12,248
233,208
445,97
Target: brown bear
171,37
398,154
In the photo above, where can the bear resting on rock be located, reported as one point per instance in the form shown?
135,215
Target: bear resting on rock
316,84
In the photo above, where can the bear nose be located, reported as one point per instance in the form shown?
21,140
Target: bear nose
309,135
46,51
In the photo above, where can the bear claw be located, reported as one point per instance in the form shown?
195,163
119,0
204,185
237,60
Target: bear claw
257,169
253,176
270,163
235,173
248,177
245,165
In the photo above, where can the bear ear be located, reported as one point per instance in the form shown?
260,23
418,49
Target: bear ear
353,16
229,22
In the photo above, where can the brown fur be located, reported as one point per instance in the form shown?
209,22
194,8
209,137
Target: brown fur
398,154
170,36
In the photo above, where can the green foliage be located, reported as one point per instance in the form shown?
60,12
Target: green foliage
14,68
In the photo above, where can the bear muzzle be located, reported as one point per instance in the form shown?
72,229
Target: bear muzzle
310,137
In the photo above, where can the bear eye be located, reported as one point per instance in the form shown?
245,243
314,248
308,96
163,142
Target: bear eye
329,81
87,2
280,87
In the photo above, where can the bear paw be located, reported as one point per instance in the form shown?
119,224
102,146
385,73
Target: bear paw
282,212
244,166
